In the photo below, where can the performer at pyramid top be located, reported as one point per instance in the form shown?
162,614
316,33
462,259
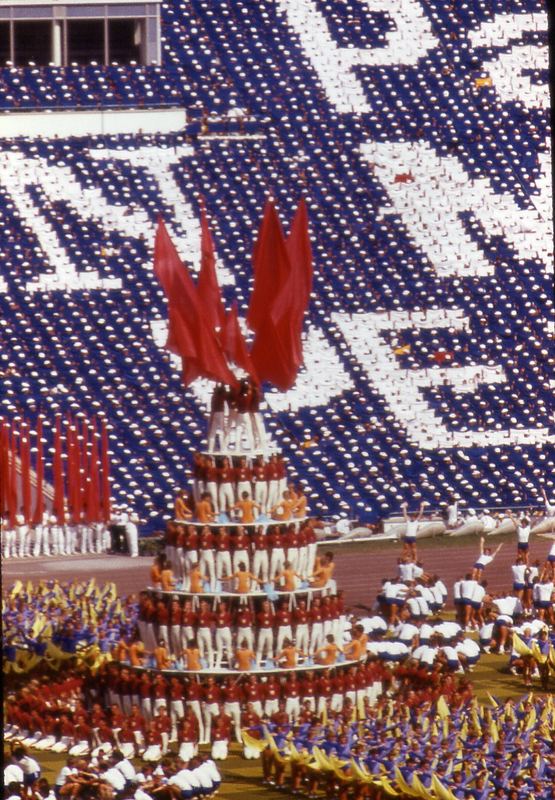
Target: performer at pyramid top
235,420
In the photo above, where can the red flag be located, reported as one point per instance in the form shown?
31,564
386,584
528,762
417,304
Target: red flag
189,335
207,285
13,479
271,267
4,471
105,458
300,256
73,472
84,464
165,256
234,343
300,250
93,488
57,468
39,502
273,357
274,352
25,467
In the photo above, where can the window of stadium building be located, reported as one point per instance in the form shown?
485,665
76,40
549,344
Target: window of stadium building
85,41
99,39
4,42
32,42
124,40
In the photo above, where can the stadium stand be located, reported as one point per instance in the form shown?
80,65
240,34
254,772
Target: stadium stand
425,163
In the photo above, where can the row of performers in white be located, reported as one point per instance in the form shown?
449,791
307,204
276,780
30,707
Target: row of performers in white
49,538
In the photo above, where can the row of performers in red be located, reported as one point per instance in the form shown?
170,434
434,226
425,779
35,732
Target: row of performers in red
226,479
219,552
220,631
143,695
144,715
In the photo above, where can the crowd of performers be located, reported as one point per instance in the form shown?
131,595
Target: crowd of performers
49,538
48,623
204,557
428,738
110,776
230,488
337,700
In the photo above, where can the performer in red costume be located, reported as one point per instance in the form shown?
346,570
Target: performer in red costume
260,484
226,487
265,625
260,560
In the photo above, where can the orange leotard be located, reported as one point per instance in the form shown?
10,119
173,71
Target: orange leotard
192,657
244,659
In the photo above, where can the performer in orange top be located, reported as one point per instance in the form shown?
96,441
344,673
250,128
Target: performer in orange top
246,507
192,655
121,650
183,508
244,657
288,656
205,508
136,653
288,580
353,650
156,572
322,574
300,503
242,579
161,655
167,578
329,652
196,579
283,510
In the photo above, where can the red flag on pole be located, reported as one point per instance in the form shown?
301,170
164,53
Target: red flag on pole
73,471
4,471
207,285
84,464
300,251
271,267
234,343
105,458
93,488
274,352
39,502
189,334
300,256
13,495
25,467
58,475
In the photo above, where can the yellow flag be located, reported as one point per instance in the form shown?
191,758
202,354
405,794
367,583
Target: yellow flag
521,648
530,719
419,787
442,708
441,792
360,708
403,785
494,731
388,788
492,700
